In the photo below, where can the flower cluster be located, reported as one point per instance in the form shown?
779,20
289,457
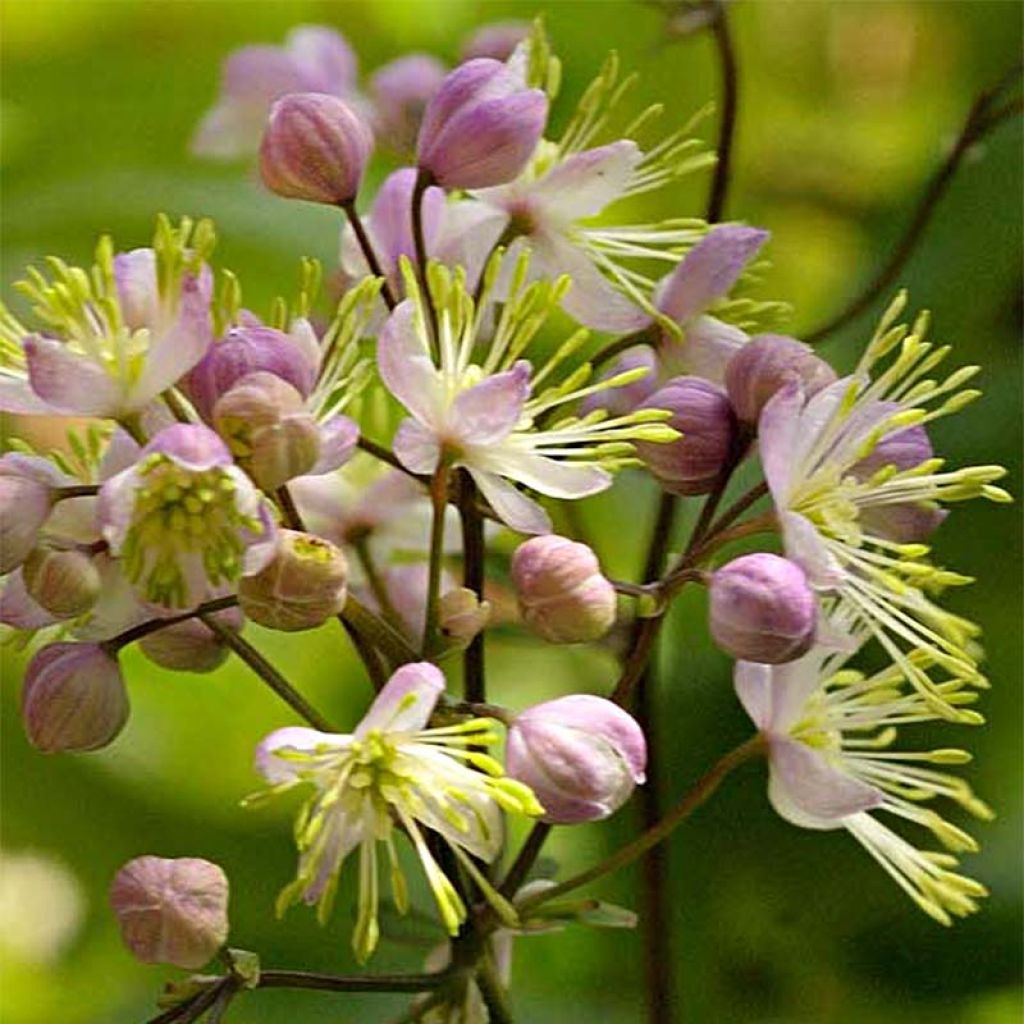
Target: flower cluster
342,457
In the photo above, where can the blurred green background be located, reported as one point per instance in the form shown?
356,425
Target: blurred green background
845,110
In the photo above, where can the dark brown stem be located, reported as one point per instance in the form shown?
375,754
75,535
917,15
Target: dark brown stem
646,336
367,654
268,674
493,992
75,491
528,853
353,983
423,182
727,126
981,119
369,253
378,451
473,556
129,636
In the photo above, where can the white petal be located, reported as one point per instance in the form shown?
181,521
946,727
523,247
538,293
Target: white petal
585,183
72,384
416,447
753,684
338,439
704,350
807,791
406,701
293,737
777,431
511,506
805,546
548,476
406,366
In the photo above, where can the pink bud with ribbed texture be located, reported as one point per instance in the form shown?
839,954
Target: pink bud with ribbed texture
65,582
315,147
191,646
73,698
702,414
581,755
304,584
481,127
562,594
764,364
26,497
762,609
171,911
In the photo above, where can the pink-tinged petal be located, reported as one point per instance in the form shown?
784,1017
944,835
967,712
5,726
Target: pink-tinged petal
179,346
34,467
709,270
416,447
487,412
18,610
302,334
338,438
137,291
753,685
592,299
17,396
122,452
793,685
262,546
391,216
511,506
777,431
585,183
277,769
705,350
468,235
324,59
405,364
804,545
406,701
818,413
116,506
548,476
118,607
258,75
191,445
807,791
75,520
71,384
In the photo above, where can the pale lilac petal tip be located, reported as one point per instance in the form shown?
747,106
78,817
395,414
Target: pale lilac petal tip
407,700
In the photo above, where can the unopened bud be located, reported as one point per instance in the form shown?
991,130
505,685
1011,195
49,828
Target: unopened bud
767,362
904,522
64,582
191,646
581,756
315,147
482,126
303,585
463,615
762,609
702,414
401,91
264,422
25,504
496,40
171,911
248,350
73,698
562,594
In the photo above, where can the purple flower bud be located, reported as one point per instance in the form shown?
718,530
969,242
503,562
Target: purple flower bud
462,615
580,755
701,413
73,698
764,364
496,40
401,91
191,646
245,350
903,522
762,609
304,584
171,911
26,498
64,582
482,126
264,422
315,147
562,594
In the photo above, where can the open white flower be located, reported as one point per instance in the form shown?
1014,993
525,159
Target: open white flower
110,339
814,454
551,207
829,732
477,406
392,774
